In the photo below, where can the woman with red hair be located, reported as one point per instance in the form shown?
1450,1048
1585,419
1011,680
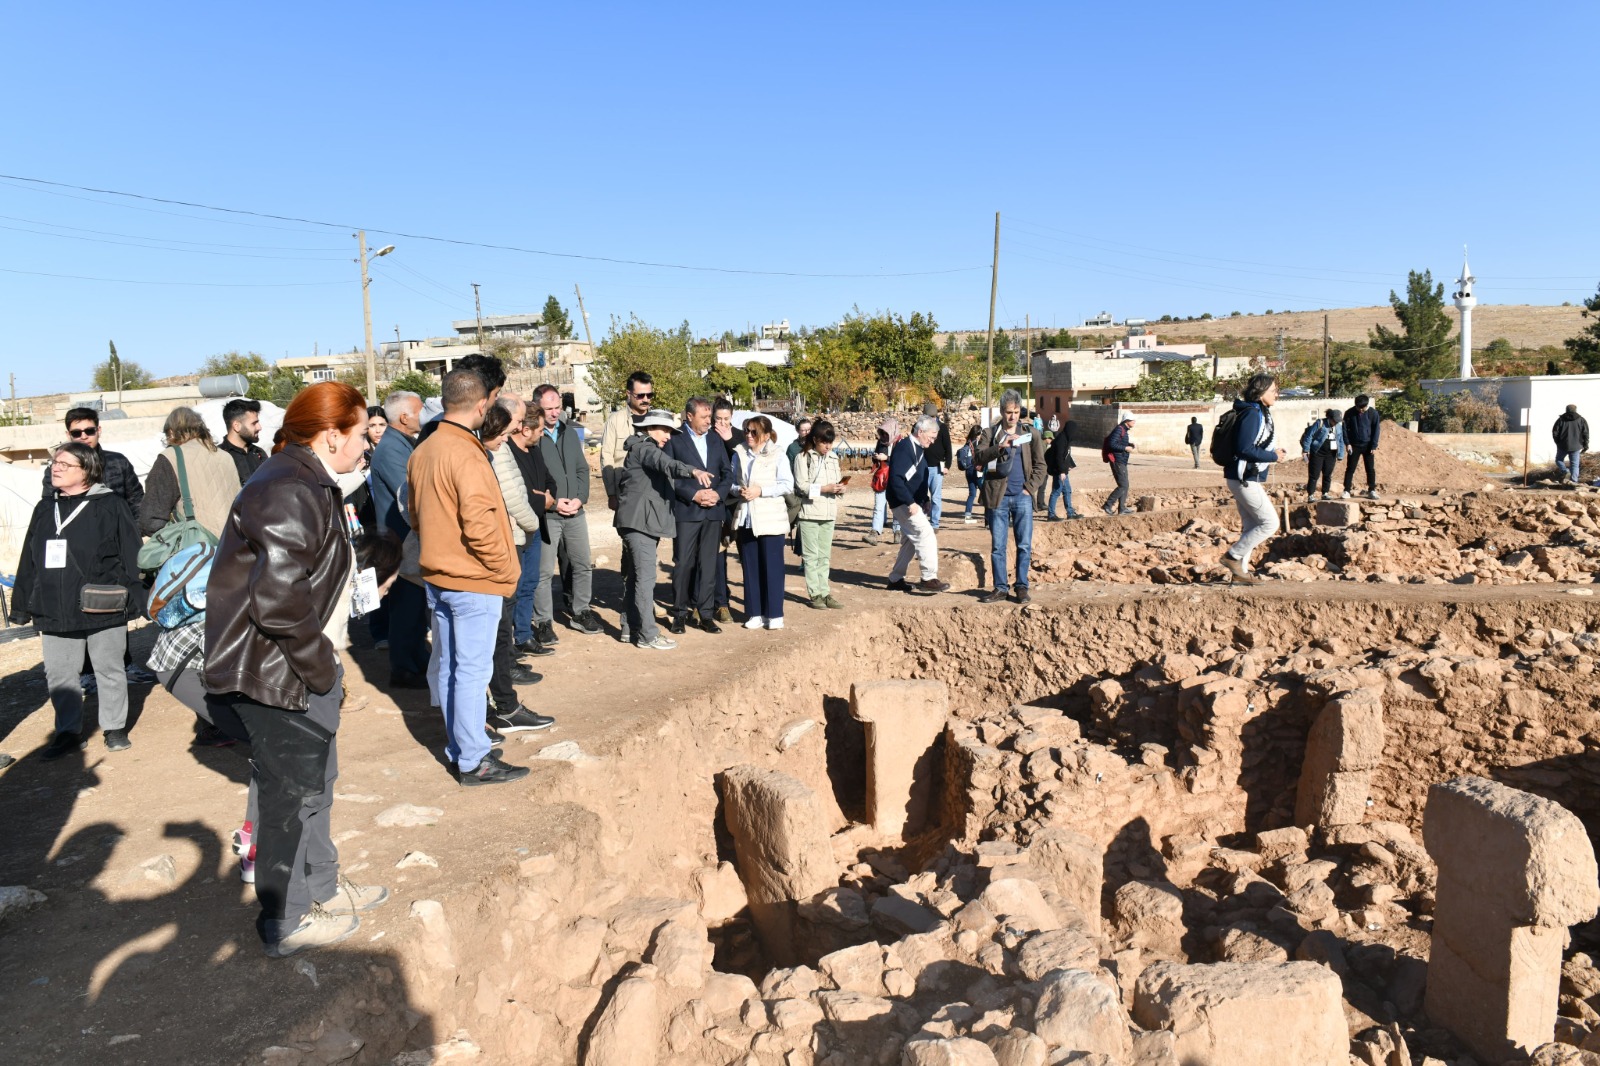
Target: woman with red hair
280,592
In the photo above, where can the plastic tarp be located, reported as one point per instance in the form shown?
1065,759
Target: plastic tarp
142,453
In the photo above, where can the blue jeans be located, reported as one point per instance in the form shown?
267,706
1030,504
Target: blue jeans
465,625
1012,513
935,494
1063,490
522,602
972,495
1568,462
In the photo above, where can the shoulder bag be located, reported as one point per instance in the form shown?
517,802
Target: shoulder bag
173,537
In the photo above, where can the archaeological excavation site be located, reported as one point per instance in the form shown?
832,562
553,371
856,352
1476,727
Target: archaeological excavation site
1343,817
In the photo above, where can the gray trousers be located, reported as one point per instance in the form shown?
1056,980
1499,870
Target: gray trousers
1258,517
639,585
570,532
63,657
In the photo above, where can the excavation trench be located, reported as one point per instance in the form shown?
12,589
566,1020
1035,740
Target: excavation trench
1161,728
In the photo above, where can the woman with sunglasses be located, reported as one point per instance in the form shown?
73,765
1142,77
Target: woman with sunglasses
762,521
78,582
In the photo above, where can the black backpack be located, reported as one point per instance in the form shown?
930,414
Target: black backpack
1224,437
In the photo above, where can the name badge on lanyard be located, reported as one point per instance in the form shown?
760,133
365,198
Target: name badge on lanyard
364,595
55,549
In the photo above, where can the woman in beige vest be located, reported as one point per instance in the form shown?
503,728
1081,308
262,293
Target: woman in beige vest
762,521
213,477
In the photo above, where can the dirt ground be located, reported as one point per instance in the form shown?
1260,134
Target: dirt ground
145,951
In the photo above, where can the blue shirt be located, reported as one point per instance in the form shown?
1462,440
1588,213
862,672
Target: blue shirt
1014,482
699,442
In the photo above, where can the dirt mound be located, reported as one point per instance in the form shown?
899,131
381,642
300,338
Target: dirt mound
1406,463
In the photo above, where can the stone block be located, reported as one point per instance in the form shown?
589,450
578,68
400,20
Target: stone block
959,1051
1338,513
628,1031
903,720
1018,1047
1020,904
1344,746
1059,949
1246,1014
855,969
1514,871
1149,915
1075,866
721,893
781,847
1077,1012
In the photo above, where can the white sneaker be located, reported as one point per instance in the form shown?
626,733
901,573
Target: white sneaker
1344,495
1372,494
969,520
774,623
755,621
661,643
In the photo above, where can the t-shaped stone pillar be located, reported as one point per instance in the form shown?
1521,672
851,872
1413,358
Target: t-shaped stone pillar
1343,750
903,721
1515,871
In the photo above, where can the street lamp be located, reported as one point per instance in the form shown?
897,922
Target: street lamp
366,311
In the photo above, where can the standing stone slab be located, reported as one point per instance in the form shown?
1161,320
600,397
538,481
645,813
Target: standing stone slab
1344,748
780,846
1515,870
1246,1013
1076,865
903,722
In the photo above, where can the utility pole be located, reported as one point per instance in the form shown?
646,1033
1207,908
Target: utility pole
366,310
1283,359
116,372
1327,371
478,305
994,289
585,316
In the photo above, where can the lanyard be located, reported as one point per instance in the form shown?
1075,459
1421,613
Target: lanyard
60,525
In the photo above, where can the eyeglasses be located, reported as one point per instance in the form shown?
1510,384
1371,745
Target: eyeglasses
644,395
64,465
76,433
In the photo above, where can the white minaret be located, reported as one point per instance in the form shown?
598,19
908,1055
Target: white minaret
1466,302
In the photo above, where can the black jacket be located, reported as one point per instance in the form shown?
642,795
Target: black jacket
248,459
118,477
1571,433
908,475
939,453
1195,434
1362,427
279,570
717,463
1058,460
536,476
102,549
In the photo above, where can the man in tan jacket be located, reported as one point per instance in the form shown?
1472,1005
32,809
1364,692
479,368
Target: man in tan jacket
469,564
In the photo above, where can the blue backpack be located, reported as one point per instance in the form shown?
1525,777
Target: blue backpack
178,596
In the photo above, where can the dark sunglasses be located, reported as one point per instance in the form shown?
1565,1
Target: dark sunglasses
91,431
644,395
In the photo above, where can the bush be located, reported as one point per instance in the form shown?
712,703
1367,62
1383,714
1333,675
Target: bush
417,381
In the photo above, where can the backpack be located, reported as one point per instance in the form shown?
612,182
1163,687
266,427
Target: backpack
880,478
1224,437
178,596
964,457
174,537
1105,449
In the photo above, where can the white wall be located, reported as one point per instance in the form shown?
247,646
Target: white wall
1159,428
1544,396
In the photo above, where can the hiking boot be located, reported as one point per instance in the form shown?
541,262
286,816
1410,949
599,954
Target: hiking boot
491,771
722,614
900,585
62,744
873,537
933,584
545,633
585,623
1074,514
706,625
522,720
832,603
117,740
819,602
992,596
659,644
1022,595
352,898
1236,569
677,625
320,928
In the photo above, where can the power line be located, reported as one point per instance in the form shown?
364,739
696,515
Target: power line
158,248
480,244
199,284
167,240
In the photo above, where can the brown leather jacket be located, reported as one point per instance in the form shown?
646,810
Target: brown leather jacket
279,570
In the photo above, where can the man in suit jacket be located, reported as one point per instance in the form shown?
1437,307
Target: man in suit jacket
699,512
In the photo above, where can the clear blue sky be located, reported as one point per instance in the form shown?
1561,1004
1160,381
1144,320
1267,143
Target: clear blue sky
1153,159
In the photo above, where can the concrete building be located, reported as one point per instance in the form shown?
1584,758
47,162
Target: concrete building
1159,427
324,367
1064,376
1531,404
767,351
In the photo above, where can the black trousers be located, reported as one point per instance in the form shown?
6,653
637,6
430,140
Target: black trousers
294,767
694,576
1364,451
409,622
1321,463
501,691
1118,500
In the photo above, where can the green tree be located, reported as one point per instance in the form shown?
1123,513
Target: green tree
1347,374
248,364
555,320
1498,349
1585,347
276,386
133,375
829,373
671,358
957,380
732,382
899,351
417,381
1174,382
1423,347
